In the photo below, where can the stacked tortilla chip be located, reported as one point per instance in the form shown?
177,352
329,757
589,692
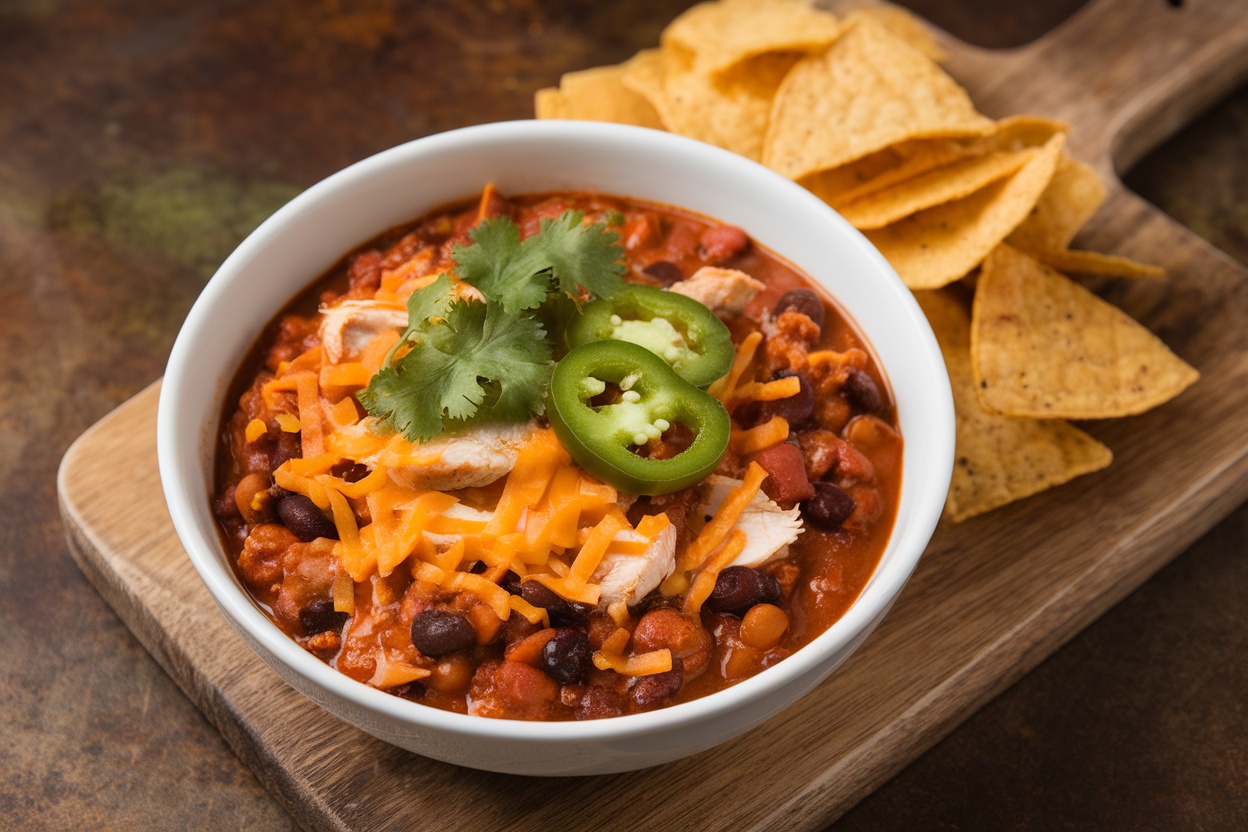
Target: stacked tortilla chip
856,109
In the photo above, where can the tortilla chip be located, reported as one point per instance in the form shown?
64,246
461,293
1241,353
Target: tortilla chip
865,92
936,187
999,459
877,171
935,247
722,35
1044,346
900,162
597,94
1072,197
904,25
550,102
731,111
1072,261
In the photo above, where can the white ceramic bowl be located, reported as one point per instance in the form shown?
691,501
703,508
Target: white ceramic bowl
300,241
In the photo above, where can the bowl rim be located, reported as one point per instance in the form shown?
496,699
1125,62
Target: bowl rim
177,439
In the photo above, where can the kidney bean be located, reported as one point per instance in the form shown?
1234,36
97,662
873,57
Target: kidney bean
721,243
320,615
438,633
795,409
654,690
829,508
567,657
786,473
738,588
862,391
599,702
804,301
302,517
562,612
665,272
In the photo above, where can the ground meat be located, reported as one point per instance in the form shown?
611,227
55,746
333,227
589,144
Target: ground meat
787,347
260,560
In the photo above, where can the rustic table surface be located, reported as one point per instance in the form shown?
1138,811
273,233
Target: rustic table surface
140,140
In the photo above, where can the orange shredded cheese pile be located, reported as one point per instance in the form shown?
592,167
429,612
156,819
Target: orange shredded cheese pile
547,521
760,438
552,523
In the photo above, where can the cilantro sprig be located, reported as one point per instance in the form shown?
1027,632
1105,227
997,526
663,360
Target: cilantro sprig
461,360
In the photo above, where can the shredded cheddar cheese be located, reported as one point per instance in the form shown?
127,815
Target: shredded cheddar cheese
760,438
255,429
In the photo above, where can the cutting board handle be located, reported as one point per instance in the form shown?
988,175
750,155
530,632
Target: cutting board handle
1127,73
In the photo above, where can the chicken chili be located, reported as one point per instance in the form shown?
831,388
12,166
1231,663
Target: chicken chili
564,456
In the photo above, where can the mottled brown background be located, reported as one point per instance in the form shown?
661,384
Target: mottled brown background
140,140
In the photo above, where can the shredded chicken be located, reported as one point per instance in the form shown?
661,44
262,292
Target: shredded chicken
630,578
348,327
724,291
768,528
465,460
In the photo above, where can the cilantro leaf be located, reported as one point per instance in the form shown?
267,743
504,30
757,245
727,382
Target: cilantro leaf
564,255
579,255
473,355
497,265
460,360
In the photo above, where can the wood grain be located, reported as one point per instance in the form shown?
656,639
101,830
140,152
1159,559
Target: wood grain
991,598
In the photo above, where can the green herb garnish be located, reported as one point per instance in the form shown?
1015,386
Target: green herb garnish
461,360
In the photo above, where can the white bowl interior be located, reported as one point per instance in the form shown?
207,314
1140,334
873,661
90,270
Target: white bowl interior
308,235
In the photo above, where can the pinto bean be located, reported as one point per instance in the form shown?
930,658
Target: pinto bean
804,301
252,499
763,626
438,633
301,516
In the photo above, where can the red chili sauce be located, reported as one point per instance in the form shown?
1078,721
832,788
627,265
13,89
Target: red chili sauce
840,467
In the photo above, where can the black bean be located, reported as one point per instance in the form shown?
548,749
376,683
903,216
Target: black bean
562,612
830,507
303,518
288,447
654,690
567,657
350,471
664,272
804,301
319,616
438,633
795,409
510,582
862,391
737,588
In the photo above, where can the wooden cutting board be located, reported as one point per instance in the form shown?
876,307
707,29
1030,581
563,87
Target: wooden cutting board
991,598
